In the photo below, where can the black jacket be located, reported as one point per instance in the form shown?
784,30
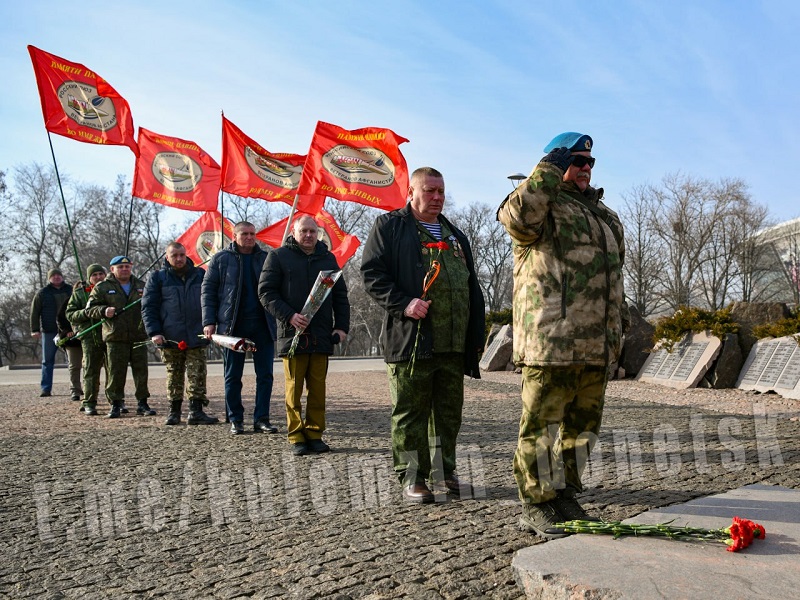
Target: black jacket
171,305
393,272
222,288
286,280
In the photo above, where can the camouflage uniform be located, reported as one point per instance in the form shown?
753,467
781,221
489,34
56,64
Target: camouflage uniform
569,317
94,349
426,408
192,362
121,334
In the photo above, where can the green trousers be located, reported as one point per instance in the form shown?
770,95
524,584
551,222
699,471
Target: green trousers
94,361
119,355
562,408
426,416
185,369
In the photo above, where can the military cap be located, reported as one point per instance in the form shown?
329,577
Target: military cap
120,260
94,269
576,142
54,271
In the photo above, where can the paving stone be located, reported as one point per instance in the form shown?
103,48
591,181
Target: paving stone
240,517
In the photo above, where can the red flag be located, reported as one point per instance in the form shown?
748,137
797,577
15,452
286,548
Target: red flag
341,244
250,171
363,166
175,172
205,237
79,104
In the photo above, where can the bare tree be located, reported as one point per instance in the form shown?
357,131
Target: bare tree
258,212
491,249
644,254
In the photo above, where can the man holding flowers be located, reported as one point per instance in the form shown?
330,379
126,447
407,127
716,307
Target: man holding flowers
116,300
418,267
92,344
174,322
290,274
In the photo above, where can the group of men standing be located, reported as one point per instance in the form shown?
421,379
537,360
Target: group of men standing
569,318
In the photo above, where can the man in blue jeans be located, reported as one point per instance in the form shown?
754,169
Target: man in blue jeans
231,307
44,310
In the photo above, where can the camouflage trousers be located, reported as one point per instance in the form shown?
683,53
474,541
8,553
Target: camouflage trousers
185,367
119,355
311,369
94,361
561,412
426,416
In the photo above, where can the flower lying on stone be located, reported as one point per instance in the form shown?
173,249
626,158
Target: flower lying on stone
739,535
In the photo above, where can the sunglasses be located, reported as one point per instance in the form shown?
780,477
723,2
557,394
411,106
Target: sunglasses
579,160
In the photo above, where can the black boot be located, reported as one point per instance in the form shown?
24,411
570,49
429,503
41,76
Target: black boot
143,410
116,409
174,417
197,416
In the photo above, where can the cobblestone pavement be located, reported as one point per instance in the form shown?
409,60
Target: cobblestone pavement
132,508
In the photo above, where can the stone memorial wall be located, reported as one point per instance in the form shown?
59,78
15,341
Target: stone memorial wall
685,365
773,365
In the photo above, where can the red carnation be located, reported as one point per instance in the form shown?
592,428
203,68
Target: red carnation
182,345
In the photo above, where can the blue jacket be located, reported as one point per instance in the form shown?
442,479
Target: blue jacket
171,305
222,288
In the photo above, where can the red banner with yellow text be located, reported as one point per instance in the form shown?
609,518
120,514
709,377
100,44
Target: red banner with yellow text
250,171
342,245
363,166
206,237
175,172
79,104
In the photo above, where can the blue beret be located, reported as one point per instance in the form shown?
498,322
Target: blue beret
120,260
576,142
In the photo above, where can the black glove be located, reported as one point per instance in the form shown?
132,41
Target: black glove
560,157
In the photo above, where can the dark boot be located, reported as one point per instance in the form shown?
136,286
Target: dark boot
174,417
197,416
115,411
144,410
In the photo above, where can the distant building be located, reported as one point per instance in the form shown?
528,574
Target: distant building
778,261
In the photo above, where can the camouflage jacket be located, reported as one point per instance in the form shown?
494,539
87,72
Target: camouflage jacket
568,253
127,326
76,313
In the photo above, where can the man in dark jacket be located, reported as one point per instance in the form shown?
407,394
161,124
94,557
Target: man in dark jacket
117,300
287,279
174,322
431,337
231,307
44,310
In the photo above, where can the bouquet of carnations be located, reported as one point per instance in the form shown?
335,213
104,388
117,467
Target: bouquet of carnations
319,293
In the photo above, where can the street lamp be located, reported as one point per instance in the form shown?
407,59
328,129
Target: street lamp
516,178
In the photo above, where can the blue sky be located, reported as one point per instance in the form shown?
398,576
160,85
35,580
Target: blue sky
709,89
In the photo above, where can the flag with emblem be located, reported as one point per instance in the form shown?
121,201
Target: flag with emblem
250,171
343,245
362,165
175,172
206,236
79,104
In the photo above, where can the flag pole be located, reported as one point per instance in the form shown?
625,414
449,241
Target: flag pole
66,212
221,220
128,233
